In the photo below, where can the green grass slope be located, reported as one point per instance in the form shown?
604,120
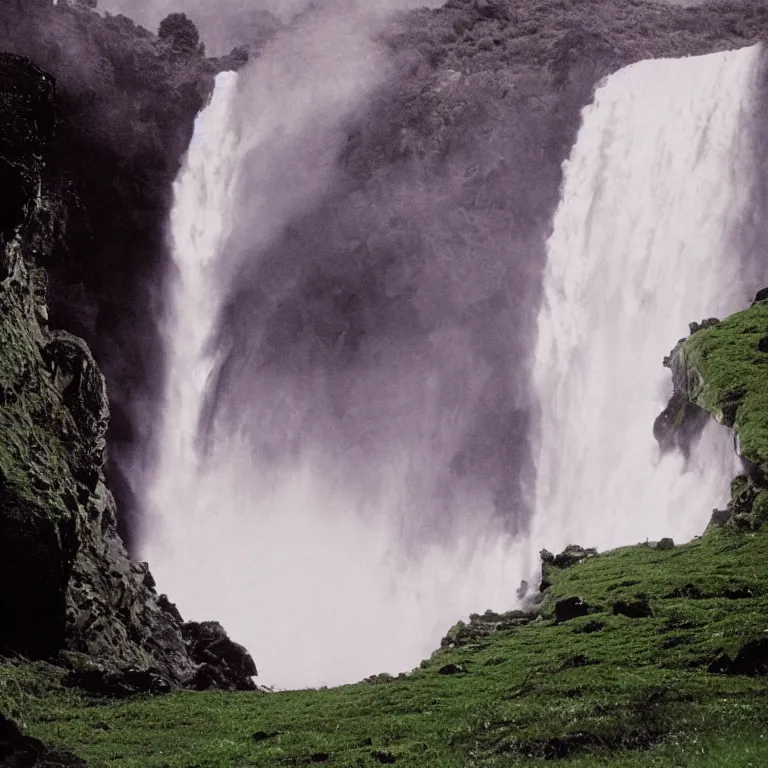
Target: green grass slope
728,376
601,689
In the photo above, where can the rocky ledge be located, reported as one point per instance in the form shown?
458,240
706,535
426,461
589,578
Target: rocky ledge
69,592
719,371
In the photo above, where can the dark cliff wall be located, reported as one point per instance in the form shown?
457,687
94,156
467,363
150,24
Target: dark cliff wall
436,224
68,590
125,105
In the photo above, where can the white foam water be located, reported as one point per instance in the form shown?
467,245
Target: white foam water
302,563
643,242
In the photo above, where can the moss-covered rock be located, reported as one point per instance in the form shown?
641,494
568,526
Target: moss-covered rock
67,583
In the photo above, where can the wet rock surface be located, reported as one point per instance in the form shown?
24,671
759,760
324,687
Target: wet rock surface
480,626
67,584
222,663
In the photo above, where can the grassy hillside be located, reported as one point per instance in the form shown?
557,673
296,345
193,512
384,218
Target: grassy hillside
600,689
728,376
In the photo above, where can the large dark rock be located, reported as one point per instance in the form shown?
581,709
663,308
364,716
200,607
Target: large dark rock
223,664
751,660
482,625
20,751
570,608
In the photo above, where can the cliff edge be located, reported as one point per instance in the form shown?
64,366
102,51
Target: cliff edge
68,590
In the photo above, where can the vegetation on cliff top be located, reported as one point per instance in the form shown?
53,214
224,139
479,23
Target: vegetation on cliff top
727,366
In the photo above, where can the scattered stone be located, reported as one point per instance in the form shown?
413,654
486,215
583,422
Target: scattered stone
762,345
690,591
636,609
570,608
319,757
263,735
387,758
708,323
571,555
461,633
665,544
738,593
579,660
383,677
522,590
761,295
451,669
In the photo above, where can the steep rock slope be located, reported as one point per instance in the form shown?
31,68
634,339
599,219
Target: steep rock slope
722,369
126,103
67,585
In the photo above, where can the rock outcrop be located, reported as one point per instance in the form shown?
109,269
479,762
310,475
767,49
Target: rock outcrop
718,372
20,751
69,592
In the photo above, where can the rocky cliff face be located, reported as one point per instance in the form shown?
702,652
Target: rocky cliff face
125,108
68,589
456,162
719,371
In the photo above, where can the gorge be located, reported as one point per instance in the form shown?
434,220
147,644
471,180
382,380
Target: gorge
381,304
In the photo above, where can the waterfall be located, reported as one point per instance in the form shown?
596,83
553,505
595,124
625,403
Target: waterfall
199,224
302,544
311,566
645,240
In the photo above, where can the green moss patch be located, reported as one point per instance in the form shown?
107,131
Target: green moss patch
728,376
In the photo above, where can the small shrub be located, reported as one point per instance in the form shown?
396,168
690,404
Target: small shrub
180,31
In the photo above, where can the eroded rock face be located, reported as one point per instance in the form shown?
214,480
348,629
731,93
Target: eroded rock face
223,663
67,584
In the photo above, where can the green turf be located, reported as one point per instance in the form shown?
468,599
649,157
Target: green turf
630,692
727,370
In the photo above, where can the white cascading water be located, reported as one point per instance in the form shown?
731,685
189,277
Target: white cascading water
644,242
311,574
199,225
